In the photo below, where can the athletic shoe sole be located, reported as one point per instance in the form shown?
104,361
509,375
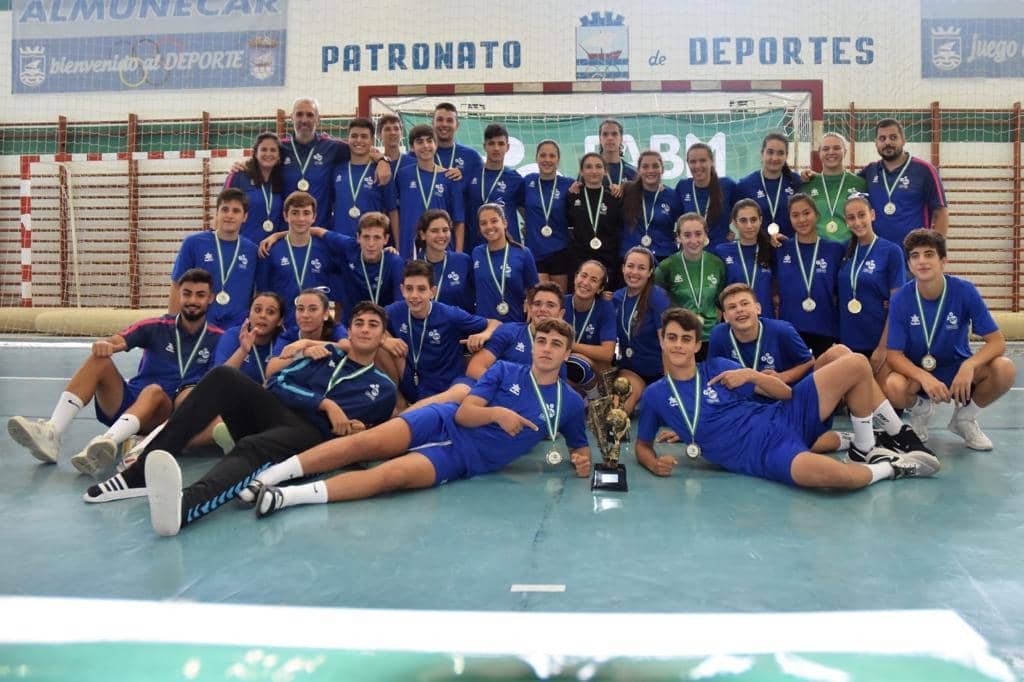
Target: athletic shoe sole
163,482
115,495
16,427
97,456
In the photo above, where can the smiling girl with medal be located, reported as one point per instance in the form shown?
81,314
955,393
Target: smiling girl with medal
692,276
592,317
545,215
262,180
930,320
638,308
872,272
749,259
708,406
453,271
649,210
832,187
502,269
772,185
706,193
806,275
595,218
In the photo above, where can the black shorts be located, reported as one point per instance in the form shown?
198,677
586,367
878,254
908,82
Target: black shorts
557,263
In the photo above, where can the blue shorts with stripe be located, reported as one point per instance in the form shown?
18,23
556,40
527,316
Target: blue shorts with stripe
435,435
796,425
130,391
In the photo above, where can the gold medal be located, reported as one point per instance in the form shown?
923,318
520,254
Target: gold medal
854,306
223,298
302,184
809,305
693,451
268,225
929,362
554,458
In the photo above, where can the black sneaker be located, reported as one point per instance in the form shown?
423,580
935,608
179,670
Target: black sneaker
269,501
906,440
856,455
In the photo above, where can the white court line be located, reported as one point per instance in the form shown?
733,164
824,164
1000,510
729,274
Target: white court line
35,378
536,588
46,344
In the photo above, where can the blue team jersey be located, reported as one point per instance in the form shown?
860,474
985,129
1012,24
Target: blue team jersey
368,397
359,285
323,153
453,278
618,173
520,275
512,341
159,363
662,211
466,159
824,319
446,195
508,385
292,335
255,364
538,198
881,269
733,431
915,195
199,250
435,353
963,311
750,187
369,196
259,212
592,327
643,338
503,187
279,274
782,348
696,200
745,270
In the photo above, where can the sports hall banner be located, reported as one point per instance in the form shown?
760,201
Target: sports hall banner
736,140
972,40
132,45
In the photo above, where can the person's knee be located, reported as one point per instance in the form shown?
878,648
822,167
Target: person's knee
395,475
1004,370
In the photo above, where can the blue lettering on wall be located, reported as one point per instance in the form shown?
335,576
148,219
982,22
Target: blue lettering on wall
421,56
790,50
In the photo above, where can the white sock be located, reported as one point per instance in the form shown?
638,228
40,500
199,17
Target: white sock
845,440
887,418
880,471
921,406
968,411
285,471
123,429
308,493
863,433
64,411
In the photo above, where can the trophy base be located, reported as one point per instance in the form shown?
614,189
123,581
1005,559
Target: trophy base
609,478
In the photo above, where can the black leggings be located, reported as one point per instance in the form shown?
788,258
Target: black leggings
265,431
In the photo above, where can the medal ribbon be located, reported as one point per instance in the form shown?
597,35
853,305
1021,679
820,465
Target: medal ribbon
757,347
335,379
551,424
355,189
808,277
374,293
692,425
885,177
504,263
648,221
551,201
416,351
220,259
594,220
628,328
572,306
299,278
261,364
427,198
749,278
929,335
772,206
183,369
854,269
268,198
832,205
305,164
699,293
483,175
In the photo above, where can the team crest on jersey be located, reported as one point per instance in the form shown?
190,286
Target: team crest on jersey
589,330
351,266
520,348
915,321
952,322
678,279
476,265
768,360
904,182
404,329
287,161
316,264
822,265
789,191
665,208
337,178
787,259
435,336
439,189
874,179
208,257
454,278
686,197
711,394
412,185
728,260
514,389
604,208
814,192
502,186
203,356
577,203
368,182
869,265
373,391
713,280
285,262
169,347
672,401
550,409
318,159
760,194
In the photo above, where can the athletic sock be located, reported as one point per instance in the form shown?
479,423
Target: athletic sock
863,433
845,440
64,411
284,471
880,471
888,419
308,493
921,405
968,411
125,427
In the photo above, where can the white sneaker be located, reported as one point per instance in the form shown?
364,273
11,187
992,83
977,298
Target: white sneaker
112,489
37,435
99,454
163,483
920,414
969,430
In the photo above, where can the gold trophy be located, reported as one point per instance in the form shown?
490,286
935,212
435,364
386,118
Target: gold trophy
610,425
